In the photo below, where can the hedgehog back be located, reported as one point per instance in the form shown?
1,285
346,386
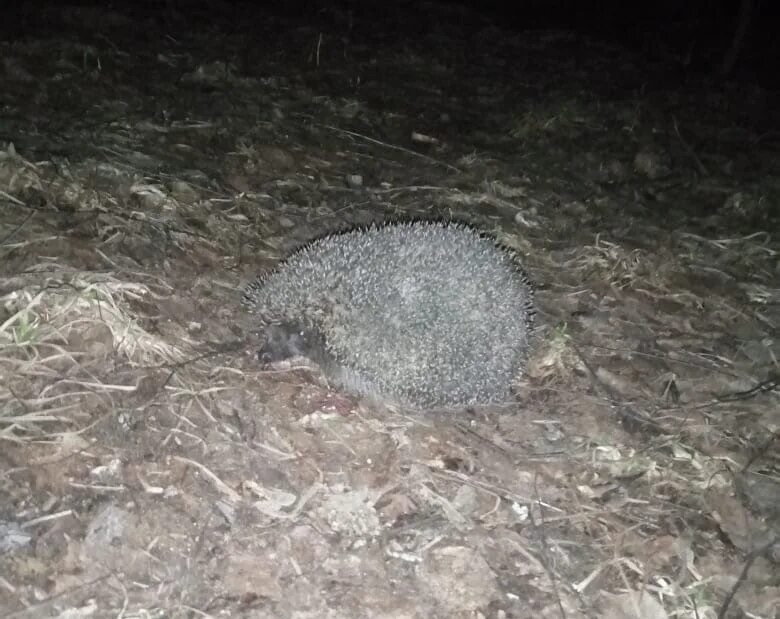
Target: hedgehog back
424,314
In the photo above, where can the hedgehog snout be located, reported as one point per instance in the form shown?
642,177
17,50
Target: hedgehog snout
264,356
283,342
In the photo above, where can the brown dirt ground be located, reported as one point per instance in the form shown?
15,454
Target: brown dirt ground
152,165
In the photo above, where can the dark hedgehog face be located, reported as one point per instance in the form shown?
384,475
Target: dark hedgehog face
285,342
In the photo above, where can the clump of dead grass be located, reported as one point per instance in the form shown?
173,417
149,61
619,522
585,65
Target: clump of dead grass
62,342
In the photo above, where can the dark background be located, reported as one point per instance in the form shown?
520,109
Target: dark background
693,34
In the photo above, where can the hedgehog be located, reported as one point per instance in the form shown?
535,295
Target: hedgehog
423,314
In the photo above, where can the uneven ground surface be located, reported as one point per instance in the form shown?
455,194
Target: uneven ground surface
151,165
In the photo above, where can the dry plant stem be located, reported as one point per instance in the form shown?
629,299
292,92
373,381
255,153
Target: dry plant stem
699,165
218,483
743,575
392,146
39,607
545,558
16,230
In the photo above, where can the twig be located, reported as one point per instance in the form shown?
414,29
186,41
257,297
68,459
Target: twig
762,387
702,170
408,151
631,419
13,232
745,568
36,609
218,483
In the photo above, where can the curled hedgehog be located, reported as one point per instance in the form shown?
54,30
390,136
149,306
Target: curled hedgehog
421,314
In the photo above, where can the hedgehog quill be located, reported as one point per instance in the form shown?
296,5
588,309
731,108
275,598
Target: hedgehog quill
421,314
